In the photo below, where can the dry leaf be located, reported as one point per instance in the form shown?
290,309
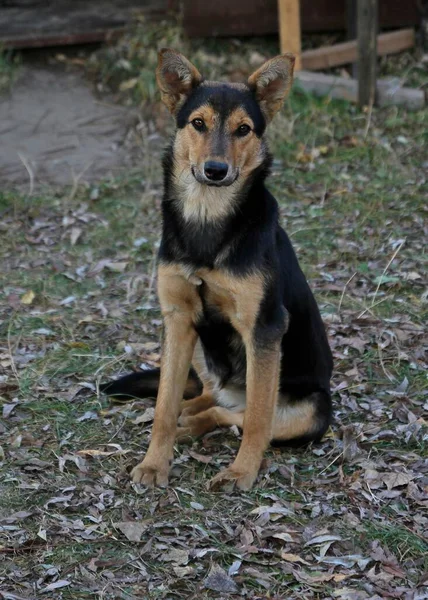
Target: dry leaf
28,297
393,480
132,530
147,416
293,558
177,556
55,586
75,234
219,581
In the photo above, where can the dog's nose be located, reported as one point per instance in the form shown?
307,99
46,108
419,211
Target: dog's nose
216,171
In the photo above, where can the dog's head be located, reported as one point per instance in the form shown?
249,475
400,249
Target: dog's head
220,126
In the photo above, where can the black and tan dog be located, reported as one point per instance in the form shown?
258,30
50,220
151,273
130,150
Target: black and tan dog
234,301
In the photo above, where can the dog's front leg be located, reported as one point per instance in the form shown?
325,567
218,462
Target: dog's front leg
180,306
261,400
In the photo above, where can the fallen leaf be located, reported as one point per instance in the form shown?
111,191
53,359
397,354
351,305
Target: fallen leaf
55,586
320,539
18,516
203,458
117,267
393,480
177,556
8,409
28,297
132,530
234,567
219,581
293,558
75,234
128,84
147,416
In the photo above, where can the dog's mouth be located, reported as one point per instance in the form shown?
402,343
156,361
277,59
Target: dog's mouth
201,178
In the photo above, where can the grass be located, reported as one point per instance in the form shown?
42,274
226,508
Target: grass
351,189
9,68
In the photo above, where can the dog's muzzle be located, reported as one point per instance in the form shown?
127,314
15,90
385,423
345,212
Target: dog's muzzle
216,174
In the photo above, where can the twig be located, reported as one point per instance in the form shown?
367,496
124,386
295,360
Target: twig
9,347
76,181
368,309
343,292
386,268
29,171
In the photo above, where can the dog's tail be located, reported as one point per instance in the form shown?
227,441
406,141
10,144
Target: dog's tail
145,384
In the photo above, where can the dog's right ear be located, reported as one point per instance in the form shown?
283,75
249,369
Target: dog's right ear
176,77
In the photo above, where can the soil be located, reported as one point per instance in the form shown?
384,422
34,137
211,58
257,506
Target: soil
54,129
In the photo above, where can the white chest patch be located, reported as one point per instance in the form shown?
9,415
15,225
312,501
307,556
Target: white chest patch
203,203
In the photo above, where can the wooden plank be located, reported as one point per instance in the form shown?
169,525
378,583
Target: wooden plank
388,90
289,29
367,20
33,23
341,54
351,27
259,17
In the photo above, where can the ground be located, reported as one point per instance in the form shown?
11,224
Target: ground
343,519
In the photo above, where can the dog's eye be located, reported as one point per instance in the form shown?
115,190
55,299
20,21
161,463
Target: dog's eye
243,130
198,124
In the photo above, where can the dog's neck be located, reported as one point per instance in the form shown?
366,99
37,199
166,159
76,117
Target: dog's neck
200,222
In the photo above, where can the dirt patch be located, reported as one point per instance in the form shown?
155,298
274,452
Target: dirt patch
53,126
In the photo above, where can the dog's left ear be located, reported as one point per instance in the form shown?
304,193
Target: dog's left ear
272,82
176,77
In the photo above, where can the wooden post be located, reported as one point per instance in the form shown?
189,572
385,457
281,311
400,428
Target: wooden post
367,13
289,29
351,28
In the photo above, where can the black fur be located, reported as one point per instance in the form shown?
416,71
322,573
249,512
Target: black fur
255,243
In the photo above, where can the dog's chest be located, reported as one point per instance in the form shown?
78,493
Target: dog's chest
217,291
236,299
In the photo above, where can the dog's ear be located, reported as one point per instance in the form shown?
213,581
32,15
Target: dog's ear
176,77
272,82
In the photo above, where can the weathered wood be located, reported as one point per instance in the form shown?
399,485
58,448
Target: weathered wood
351,27
31,23
388,90
341,54
367,23
259,17
289,29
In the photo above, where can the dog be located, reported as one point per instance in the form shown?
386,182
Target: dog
235,303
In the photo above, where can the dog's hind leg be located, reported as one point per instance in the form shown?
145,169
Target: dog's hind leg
208,420
299,422
197,405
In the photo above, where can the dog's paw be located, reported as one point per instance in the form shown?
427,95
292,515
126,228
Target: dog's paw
190,426
232,477
151,474
183,434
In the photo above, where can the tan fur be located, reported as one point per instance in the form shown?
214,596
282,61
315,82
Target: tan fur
199,364
272,83
290,421
238,298
246,153
196,405
180,305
